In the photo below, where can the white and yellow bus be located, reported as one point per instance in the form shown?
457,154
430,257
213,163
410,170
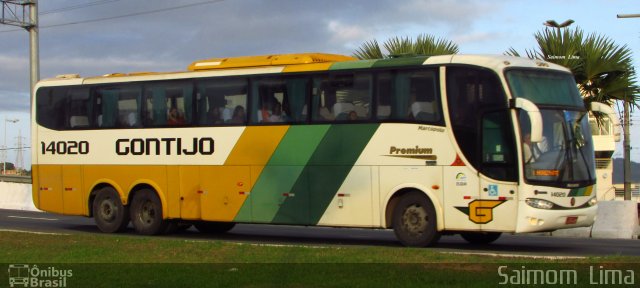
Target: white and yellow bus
476,145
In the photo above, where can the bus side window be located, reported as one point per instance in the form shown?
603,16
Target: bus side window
221,102
279,100
79,108
344,97
409,96
472,92
323,98
385,95
119,106
50,107
169,104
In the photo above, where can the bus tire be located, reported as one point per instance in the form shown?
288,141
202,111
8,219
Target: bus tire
213,227
480,237
146,213
414,221
108,212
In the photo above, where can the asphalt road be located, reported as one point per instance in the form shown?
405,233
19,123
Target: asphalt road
508,245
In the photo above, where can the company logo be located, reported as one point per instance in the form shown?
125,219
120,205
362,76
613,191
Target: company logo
481,211
461,179
416,152
23,275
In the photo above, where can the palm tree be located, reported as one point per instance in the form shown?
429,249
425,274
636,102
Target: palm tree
424,44
602,69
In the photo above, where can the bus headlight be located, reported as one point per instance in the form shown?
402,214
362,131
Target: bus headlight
539,203
592,202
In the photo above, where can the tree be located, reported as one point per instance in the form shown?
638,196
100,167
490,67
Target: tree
424,44
9,166
602,69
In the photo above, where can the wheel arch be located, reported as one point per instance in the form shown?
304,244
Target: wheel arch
393,197
97,186
155,188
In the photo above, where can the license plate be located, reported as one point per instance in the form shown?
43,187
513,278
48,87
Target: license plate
571,220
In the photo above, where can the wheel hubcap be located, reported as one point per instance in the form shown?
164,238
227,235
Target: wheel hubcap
108,210
415,219
147,213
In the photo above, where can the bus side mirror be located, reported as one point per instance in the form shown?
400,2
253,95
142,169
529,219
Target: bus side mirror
606,109
534,115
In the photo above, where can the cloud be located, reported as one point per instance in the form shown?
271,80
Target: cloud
14,101
171,40
475,37
347,35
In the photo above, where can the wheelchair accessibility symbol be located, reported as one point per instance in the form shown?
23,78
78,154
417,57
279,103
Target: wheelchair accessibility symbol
493,190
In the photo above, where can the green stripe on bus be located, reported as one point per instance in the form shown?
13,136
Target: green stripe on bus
585,191
324,174
574,192
284,168
352,65
401,61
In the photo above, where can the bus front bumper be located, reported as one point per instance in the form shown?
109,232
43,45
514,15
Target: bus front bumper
532,219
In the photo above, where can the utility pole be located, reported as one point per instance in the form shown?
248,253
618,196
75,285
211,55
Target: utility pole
627,139
19,164
24,13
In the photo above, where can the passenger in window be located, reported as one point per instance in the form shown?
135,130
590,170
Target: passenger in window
238,115
214,116
325,114
128,120
353,116
276,114
264,114
225,113
174,118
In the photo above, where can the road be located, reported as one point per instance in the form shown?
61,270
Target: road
507,245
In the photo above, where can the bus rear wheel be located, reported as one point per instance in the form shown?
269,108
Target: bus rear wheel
146,213
480,237
213,227
108,212
414,221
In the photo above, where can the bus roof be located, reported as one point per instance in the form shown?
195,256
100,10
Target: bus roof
267,60
302,62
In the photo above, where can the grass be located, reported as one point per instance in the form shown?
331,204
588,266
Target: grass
100,260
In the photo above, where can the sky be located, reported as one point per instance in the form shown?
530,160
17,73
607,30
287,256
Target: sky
133,39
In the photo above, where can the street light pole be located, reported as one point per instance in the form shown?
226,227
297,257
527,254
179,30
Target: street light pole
4,161
627,140
34,47
10,15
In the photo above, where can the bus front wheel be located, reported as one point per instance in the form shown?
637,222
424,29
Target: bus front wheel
480,237
146,213
414,221
108,212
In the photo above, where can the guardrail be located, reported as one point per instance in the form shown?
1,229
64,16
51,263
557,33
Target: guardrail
15,179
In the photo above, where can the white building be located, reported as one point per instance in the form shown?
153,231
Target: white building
605,137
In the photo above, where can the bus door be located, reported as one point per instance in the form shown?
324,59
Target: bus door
496,208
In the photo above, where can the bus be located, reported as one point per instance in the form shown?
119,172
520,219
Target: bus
424,145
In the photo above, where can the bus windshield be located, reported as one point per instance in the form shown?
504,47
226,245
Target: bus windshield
563,157
545,88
